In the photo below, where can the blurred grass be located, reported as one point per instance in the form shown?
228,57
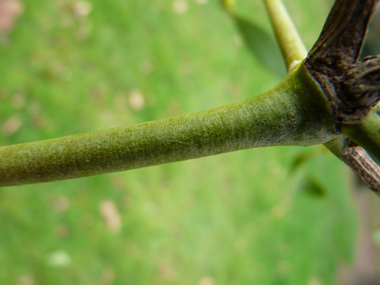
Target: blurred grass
238,218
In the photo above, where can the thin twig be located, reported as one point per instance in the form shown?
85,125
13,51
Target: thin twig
292,48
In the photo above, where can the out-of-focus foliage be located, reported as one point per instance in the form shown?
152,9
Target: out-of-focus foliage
240,218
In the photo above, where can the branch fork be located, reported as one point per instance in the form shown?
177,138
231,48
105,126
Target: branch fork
351,86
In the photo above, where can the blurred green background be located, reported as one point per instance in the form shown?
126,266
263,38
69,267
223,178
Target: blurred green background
281,215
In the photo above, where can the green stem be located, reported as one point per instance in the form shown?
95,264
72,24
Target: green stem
366,134
292,48
337,146
294,113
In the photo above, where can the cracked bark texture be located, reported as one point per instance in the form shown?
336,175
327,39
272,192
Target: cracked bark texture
336,53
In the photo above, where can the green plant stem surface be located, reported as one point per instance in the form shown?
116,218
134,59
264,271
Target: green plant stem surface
293,113
366,133
292,48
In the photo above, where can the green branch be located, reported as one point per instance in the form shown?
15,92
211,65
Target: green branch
294,113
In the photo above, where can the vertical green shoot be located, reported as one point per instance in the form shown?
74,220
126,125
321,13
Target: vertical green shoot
292,48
